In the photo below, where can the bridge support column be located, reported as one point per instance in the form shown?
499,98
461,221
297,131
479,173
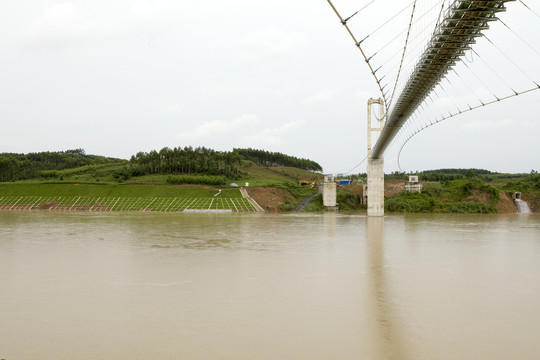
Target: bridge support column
375,187
375,167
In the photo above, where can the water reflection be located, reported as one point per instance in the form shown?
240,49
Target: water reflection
329,222
389,336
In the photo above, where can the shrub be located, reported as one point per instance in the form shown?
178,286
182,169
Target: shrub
316,204
197,179
121,175
435,190
349,201
472,207
410,202
49,174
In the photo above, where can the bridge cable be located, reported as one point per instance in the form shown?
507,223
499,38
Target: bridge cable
534,12
387,21
481,81
408,29
522,39
403,61
402,55
438,19
457,91
371,2
358,45
471,91
464,111
391,41
493,71
391,57
361,162
509,59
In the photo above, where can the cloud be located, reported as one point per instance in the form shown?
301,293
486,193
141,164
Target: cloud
232,87
245,120
70,24
242,128
268,44
215,128
172,109
322,97
288,90
60,26
272,136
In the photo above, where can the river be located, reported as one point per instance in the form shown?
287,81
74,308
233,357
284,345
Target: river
249,286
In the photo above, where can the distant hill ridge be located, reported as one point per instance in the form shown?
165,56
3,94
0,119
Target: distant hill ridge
187,160
15,166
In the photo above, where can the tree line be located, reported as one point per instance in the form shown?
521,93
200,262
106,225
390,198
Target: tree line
443,174
267,158
202,160
178,160
15,167
187,160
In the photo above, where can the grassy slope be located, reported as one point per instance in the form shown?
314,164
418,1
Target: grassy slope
272,176
457,196
111,190
253,174
528,185
100,182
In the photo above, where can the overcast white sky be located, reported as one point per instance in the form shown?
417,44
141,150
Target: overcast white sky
120,76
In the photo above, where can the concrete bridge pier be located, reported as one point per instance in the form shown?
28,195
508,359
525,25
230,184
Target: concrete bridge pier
375,187
375,167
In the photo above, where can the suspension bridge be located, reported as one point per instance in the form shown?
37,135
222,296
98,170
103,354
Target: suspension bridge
432,46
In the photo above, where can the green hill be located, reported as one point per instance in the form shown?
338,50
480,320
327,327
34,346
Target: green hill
169,180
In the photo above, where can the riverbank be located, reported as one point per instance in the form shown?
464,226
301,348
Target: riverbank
450,197
274,189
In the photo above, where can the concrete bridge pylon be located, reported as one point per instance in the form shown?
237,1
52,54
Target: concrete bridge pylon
375,167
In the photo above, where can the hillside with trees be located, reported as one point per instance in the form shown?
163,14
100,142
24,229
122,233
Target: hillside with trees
266,158
199,165
187,160
15,167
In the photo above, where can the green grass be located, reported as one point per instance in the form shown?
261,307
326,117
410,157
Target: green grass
117,197
274,176
100,203
76,188
294,194
111,190
447,197
102,169
527,184
316,204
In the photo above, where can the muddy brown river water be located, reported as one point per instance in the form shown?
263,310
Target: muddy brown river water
249,286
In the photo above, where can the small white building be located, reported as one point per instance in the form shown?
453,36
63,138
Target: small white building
413,185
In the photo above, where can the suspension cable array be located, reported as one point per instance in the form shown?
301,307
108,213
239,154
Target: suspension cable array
463,22
426,82
459,112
